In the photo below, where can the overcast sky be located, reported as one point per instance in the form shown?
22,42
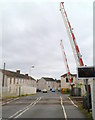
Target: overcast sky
31,34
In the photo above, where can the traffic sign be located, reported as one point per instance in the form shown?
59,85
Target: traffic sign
85,72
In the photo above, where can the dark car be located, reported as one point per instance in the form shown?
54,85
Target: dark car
38,90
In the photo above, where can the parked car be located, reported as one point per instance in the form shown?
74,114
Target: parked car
50,89
38,90
53,90
44,91
59,89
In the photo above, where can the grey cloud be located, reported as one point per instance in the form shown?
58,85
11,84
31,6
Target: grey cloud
32,33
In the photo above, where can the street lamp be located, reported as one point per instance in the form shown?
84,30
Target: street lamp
32,66
30,69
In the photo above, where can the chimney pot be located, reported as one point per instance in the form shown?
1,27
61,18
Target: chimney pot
26,74
18,71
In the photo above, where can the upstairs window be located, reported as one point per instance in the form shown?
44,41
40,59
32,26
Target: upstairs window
67,80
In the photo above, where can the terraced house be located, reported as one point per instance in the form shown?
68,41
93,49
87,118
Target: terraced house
16,84
46,83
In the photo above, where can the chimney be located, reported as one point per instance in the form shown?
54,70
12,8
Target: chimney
18,71
26,74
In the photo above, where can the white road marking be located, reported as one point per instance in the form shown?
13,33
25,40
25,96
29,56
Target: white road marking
64,111
73,102
10,101
35,102
15,114
20,112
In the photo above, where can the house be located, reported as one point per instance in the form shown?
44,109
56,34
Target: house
58,84
46,83
65,82
79,83
15,83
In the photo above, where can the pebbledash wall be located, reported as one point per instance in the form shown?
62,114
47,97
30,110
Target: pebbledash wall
81,82
65,82
48,83
16,84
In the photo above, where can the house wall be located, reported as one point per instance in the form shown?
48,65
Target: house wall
42,84
65,84
33,82
17,86
51,84
58,85
1,77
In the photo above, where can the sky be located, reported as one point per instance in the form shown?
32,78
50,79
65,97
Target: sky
31,34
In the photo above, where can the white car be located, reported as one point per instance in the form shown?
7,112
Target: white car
59,89
44,91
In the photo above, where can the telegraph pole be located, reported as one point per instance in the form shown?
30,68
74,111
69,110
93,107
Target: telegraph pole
3,74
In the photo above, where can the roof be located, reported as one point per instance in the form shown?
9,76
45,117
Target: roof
64,75
48,79
15,74
58,81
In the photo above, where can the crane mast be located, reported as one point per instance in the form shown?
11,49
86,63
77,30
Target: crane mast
75,48
66,63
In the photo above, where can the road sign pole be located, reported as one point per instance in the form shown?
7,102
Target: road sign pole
93,100
87,95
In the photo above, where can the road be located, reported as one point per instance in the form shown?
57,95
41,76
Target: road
42,105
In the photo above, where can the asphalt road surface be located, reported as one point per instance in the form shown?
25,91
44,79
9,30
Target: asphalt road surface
42,105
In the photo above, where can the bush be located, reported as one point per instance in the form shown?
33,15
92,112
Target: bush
65,90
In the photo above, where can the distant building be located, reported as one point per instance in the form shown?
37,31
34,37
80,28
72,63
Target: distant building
15,83
65,82
58,84
46,83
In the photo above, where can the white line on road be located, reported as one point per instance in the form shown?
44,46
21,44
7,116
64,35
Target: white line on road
64,111
10,101
35,102
73,102
20,112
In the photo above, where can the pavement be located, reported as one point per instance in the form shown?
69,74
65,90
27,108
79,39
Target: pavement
42,105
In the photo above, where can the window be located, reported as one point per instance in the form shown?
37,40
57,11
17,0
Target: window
14,80
67,80
10,80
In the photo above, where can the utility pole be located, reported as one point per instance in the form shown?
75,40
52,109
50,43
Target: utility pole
87,94
3,75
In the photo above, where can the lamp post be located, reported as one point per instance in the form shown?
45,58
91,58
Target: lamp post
30,69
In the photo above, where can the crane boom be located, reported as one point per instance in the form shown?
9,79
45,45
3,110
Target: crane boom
66,63
75,48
